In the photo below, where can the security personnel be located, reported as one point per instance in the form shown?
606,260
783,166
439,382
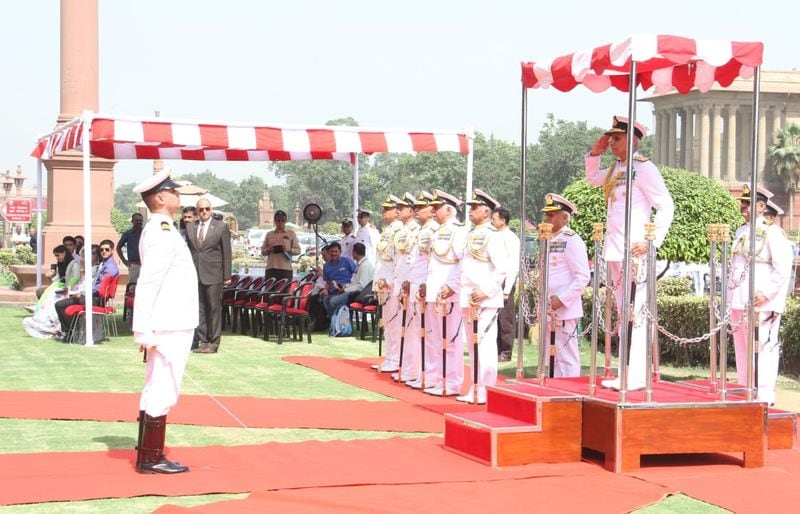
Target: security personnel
383,284
648,192
405,242
442,292
773,264
417,276
348,238
483,271
165,316
568,275
367,234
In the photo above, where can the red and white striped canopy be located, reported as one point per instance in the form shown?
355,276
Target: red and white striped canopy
158,138
666,62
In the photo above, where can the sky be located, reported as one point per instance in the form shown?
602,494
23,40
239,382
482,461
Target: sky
420,64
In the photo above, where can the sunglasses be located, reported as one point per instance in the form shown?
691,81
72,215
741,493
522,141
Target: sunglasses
203,209
105,249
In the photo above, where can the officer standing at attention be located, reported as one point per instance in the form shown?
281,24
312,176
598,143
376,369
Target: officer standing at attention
648,192
166,314
568,272
773,266
405,242
483,271
383,284
442,294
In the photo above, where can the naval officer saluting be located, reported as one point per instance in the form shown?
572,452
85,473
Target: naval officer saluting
165,316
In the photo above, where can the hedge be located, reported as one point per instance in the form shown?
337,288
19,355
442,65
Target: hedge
687,316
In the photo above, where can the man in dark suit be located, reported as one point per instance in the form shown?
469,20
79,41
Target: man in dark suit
209,241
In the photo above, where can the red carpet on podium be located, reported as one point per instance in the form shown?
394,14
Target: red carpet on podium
202,410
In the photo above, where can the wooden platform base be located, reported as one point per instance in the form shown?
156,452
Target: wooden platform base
623,433
527,422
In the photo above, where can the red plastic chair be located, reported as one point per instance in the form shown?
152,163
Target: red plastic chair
105,293
294,312
268,310
229,295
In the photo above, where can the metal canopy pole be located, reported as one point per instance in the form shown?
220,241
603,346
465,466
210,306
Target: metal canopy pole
626,309
751,317
87,226
523,152
356,196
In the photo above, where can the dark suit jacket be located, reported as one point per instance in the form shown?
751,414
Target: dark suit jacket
213,259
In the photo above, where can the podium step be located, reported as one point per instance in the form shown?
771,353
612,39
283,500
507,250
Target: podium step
518,427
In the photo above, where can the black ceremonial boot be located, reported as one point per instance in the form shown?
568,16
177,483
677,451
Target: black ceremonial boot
150,452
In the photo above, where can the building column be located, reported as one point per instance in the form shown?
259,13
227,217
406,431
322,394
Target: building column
704,133
730,169
689,135
776,123
673,138
681,160
663,137
716,142
656,136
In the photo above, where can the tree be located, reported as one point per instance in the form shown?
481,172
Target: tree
245,204
698,201
785,157
125,199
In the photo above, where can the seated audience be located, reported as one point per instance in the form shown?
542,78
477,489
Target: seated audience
360,279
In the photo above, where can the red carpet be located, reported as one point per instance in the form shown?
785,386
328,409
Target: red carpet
604,493
359,374
202,410
43,477
722,481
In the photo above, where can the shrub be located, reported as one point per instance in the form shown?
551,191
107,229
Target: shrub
674,286
687,316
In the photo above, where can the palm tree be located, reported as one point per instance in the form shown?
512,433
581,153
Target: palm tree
785,157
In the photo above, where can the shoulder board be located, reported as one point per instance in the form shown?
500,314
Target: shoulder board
568,232
769,222
458,223
491,228
641,158
165,226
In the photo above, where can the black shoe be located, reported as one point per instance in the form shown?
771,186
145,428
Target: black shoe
504,357
164,466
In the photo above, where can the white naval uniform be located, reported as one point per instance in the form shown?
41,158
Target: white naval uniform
347,242
369,237
405,242
649,192
773,264
568,275
417,274
384,269
444,268
484,267
166,312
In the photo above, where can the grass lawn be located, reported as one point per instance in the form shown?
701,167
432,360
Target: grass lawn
244,367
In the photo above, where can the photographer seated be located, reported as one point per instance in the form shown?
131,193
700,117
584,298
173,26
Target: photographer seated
338,272
107,267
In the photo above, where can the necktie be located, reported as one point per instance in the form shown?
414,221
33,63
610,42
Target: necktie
202,235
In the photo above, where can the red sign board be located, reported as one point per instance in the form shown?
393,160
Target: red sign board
17,210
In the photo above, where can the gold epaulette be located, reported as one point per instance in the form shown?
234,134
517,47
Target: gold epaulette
165,226
640,158
568,232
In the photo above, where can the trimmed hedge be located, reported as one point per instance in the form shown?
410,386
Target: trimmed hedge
687,316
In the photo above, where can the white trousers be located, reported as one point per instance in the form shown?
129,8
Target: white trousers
638,337
412,349
568,357
487,345
768,356
391,331
433,346
166,362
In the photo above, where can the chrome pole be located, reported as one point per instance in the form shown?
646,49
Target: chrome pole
713,235
724,240
522,264
652,332
597,237
545,232
751,317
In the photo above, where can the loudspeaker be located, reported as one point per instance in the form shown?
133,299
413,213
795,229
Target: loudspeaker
312,213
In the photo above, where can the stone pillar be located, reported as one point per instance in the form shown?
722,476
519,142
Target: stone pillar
704,140
688,134
762,142
681,160
730,133
656,133
663,135
672,138
79,91
716,142
745,141
776,123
